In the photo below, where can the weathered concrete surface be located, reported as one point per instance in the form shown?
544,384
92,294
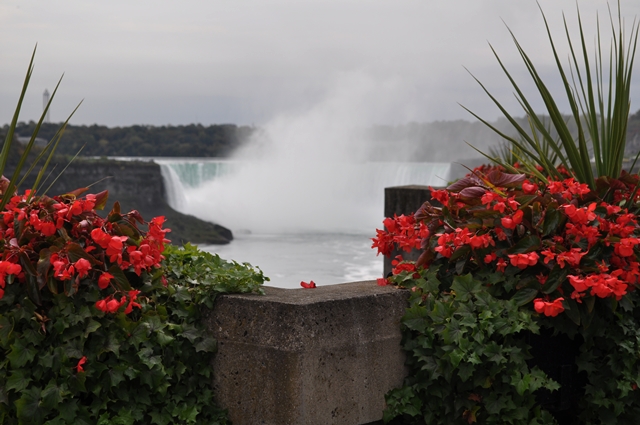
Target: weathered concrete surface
403,200
308,356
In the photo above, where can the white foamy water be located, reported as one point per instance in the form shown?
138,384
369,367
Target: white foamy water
296,223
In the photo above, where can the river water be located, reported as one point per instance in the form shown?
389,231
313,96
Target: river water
288,259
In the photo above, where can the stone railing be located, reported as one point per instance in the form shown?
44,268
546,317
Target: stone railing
312,356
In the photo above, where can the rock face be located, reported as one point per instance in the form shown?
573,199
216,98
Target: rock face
135,185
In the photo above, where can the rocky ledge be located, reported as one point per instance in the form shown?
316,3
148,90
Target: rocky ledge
136,185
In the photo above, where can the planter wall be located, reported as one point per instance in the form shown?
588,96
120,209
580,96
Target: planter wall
308,356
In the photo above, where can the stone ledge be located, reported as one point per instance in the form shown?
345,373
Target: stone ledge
308,356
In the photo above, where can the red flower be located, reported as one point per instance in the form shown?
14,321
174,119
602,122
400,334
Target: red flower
132,295
522,261
501,265
110,304
529,188
82,267
513,221
100,237
572,257
309,285
381,281
490,257
441,196
104,280
81,362
625,247
580,215
551,309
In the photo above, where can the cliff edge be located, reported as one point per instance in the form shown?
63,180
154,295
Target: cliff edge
137,185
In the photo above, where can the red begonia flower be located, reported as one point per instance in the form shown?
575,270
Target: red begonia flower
81,362
309,285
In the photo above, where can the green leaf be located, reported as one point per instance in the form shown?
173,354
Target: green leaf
92,326
116,376
21,354
161,418
207,344
416,318
528,243
28,406
52,395
572,311
120,277
465,286
163,338
552,219
68,410
555,279
18,381
524,296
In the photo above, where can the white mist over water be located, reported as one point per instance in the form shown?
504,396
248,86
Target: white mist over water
301,198
308,171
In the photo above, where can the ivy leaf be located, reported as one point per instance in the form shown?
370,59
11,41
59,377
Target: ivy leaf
92,326
452,333
6,327
465,286
182,294
163,338
18,381
465,370
521,383
115,376
207,344
28,406
68,410
161,418
21,354
191,333
153,323
52,395
494,403
415,318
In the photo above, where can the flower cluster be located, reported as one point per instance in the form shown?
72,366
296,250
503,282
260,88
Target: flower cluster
61,243
560,241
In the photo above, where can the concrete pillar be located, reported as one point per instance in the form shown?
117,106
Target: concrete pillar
318,356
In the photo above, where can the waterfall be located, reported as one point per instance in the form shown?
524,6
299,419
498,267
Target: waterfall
274,197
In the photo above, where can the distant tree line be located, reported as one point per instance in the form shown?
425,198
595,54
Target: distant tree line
194,140
438,141
444,141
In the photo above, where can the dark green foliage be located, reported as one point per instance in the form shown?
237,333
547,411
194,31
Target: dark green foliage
466,356
152,366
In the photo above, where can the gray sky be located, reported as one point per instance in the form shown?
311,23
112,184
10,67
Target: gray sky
247,62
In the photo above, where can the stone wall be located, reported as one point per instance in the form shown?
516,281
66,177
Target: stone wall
323,356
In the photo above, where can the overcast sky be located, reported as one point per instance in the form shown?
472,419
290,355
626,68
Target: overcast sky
174,62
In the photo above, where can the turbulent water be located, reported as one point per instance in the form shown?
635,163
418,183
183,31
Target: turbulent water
296,222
